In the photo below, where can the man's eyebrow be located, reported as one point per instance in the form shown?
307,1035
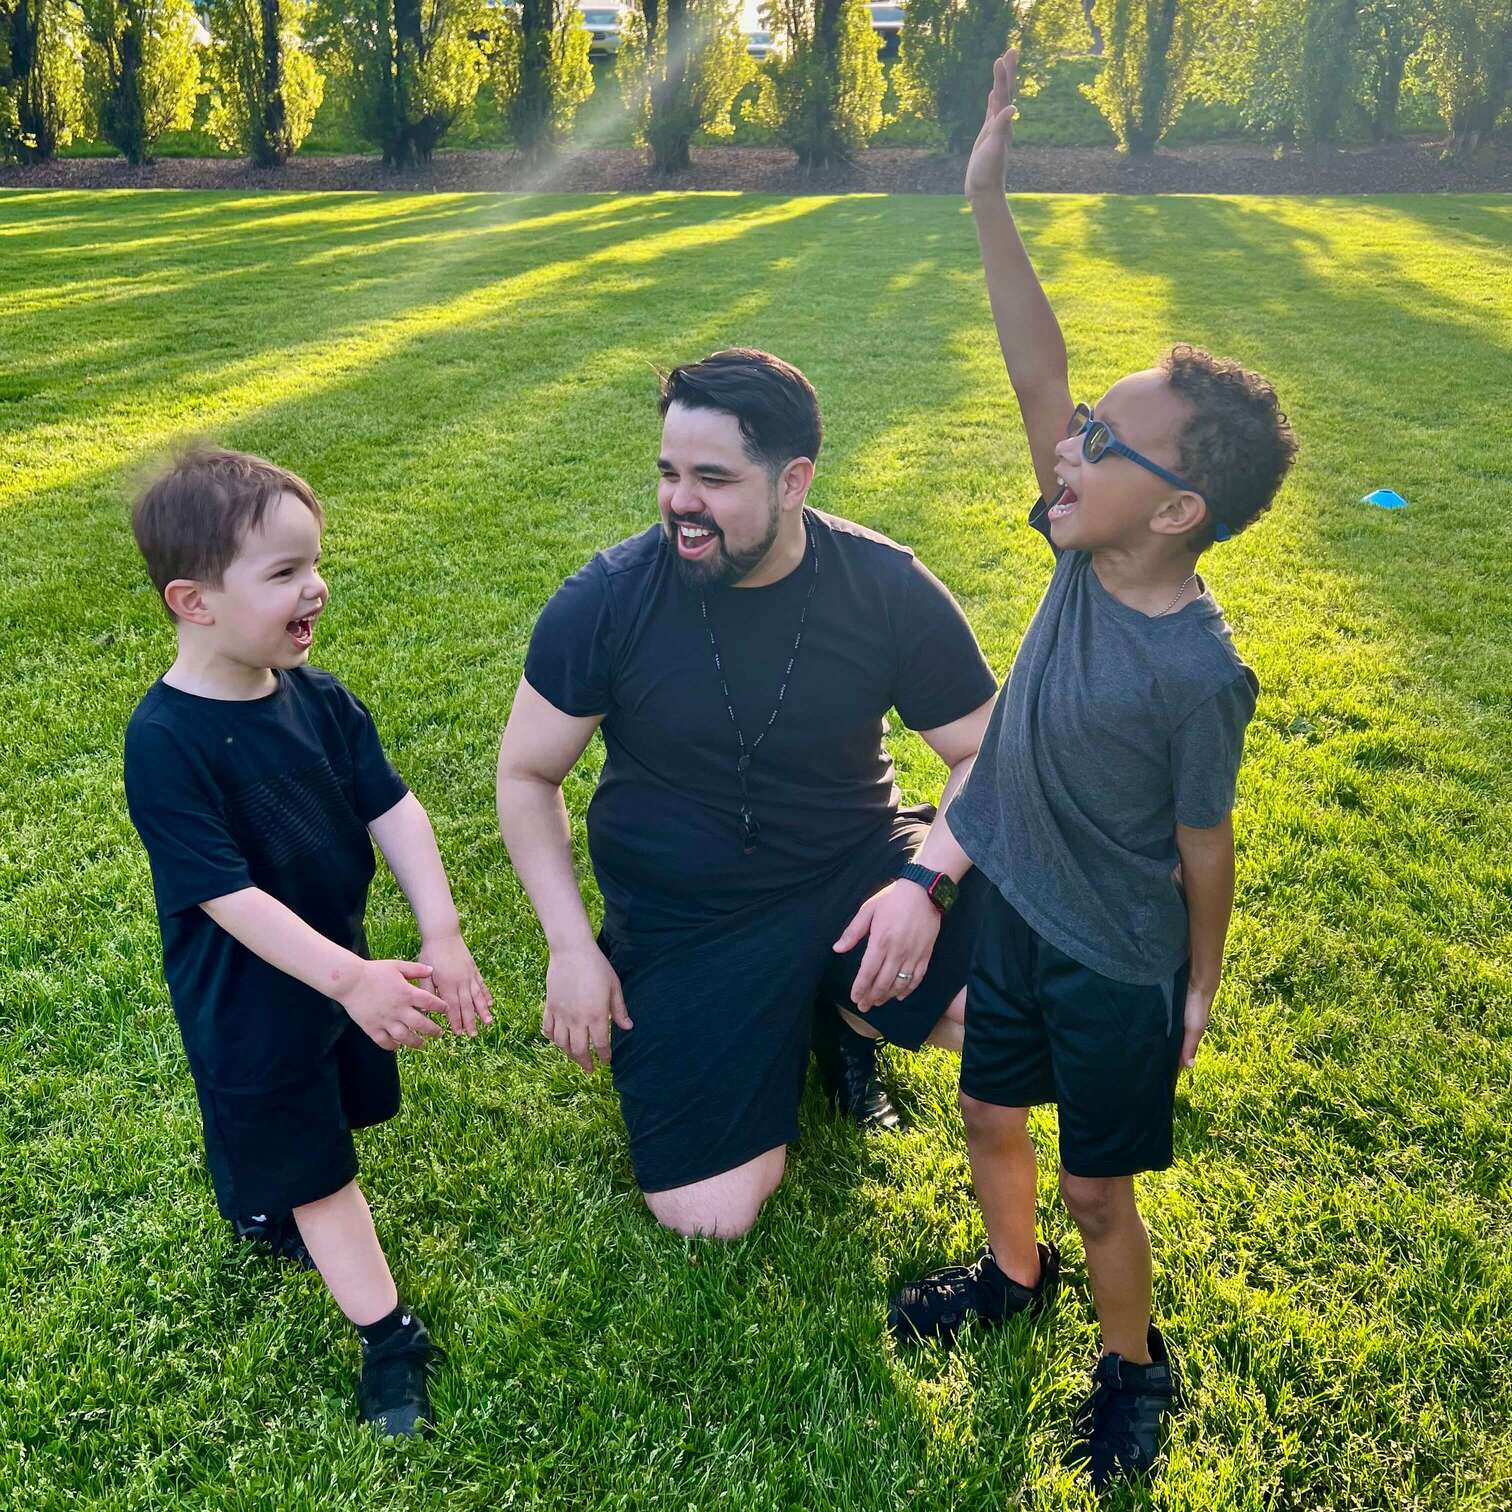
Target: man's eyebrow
703,469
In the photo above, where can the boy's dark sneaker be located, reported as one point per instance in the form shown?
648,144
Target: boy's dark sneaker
944,1301
1118,1426
847,1064
275,1234
393,1395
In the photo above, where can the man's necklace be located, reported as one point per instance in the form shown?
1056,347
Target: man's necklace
750,829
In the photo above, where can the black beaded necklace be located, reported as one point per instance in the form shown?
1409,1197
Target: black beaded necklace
750,829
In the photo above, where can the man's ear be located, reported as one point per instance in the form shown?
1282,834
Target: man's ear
186,601
794,482
1181,513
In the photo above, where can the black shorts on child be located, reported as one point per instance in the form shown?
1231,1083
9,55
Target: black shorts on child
272,1149
1043,1028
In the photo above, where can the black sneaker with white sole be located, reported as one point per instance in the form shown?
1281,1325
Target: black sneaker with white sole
940,1304
394,1396
1118,1426
276,1235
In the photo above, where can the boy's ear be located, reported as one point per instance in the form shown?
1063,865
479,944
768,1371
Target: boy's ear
793,485
186,602
1181,513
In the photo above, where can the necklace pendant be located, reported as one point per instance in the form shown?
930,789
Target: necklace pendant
750,832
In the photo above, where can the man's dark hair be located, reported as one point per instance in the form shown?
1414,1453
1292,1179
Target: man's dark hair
1236,444
190,521
775,404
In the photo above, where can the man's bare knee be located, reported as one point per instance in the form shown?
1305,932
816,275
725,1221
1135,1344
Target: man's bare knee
725,1206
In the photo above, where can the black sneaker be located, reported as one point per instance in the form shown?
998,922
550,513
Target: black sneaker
944,1301
1118,1426
275,1234
393,1396
847,1064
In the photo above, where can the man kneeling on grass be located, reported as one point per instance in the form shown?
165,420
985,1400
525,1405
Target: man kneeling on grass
739,658
255,782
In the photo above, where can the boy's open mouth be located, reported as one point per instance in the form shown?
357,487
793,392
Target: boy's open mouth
1065,501
302,631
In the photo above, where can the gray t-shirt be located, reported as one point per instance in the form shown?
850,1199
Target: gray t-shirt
1113,727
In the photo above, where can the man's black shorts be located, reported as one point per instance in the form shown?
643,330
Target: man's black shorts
1043,1028
273,1148
712,1073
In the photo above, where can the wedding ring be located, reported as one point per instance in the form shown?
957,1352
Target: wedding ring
905,976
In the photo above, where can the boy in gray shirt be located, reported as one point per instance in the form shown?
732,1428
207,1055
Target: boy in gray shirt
1099,806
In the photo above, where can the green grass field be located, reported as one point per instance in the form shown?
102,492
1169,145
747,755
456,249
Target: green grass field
468,383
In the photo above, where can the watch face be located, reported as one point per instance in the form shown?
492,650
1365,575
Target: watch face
944,893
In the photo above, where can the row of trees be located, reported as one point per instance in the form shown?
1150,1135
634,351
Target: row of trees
130,70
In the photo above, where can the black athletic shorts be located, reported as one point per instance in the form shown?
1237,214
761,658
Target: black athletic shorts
1042,1028
271,1149
712,1073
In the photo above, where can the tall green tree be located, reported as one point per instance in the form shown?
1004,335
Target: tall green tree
141,70
1390,34
1327,73
411,67
41,79
1150,49
823,94
265,84
683,64
541,72
1468,50
944,67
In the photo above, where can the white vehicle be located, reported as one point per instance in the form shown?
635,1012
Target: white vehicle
887,22
606,30
761,45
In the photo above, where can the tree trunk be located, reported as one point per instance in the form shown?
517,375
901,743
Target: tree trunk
1155,78
825,147
670,131
271,145
125,114
530,115
1088,6
408,146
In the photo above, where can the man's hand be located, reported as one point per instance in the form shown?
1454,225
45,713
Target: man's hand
383,1002
457,980
582,995
1199,1004
988,164
903,926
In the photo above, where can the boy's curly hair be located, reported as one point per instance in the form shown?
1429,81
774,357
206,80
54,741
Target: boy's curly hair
1236,445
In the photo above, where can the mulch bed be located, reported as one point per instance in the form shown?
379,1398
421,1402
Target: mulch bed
1228,168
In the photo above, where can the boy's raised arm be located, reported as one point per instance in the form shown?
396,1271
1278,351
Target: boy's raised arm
1028,332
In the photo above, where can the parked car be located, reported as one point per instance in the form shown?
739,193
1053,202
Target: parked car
887,22
761,45
606,32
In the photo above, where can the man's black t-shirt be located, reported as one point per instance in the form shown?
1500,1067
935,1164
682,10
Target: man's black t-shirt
274,793
625,638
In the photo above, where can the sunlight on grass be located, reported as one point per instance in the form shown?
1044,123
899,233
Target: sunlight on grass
469,383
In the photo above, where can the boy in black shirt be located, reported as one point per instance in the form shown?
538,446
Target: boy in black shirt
256,782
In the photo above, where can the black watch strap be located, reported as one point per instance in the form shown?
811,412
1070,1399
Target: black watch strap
938,885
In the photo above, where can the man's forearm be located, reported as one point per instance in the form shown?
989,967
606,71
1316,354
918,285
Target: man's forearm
1028,333
941,851
280,937
1207,872
533,822
408,842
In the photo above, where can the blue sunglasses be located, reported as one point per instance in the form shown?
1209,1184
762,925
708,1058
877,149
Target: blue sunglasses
1098,441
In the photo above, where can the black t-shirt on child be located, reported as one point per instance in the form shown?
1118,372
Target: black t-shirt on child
625,638
274,793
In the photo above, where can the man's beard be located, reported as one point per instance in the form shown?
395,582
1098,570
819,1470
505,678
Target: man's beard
722,567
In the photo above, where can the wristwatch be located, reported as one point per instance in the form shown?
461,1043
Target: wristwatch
941,889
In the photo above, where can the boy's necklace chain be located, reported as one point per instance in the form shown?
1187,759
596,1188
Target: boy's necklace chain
1177,599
